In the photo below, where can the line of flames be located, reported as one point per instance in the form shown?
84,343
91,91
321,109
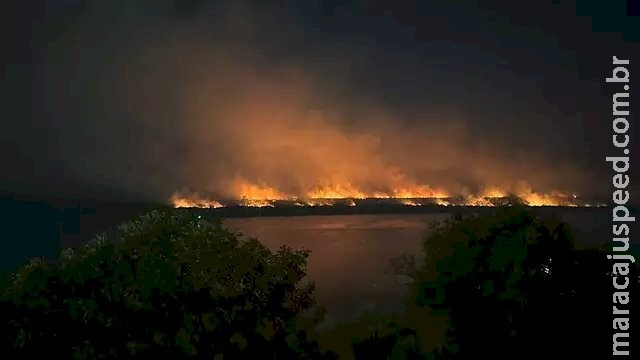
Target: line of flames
252,195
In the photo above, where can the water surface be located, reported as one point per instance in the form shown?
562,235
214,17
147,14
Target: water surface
351,253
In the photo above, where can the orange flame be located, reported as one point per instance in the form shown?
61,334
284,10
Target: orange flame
408,202
263,195
257,192
179,201
346,191
256,203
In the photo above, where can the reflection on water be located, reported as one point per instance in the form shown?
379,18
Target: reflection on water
351,253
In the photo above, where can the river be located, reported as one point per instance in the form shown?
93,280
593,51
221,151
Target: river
350,254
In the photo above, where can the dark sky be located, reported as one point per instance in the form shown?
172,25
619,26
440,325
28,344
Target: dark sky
137,99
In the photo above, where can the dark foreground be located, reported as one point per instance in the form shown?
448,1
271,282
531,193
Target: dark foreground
501,284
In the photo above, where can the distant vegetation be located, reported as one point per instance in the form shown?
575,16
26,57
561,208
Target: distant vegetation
171,285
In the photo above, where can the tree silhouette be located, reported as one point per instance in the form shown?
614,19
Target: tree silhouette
502,285
171,285
512,284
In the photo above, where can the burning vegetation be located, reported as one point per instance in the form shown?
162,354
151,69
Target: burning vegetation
267,139
254,195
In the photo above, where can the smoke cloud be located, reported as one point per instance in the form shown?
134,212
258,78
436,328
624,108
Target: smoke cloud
152,104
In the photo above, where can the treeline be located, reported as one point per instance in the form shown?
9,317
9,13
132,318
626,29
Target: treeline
172,285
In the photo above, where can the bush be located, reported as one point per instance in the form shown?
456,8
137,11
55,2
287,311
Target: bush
511,284
389,341
170,285
508,284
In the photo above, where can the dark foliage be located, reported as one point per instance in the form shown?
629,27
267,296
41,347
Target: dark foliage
509,284
170,286
512,284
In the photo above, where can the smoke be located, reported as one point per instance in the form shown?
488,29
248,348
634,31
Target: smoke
153,104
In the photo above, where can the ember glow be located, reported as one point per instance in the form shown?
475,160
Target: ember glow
179,201
208,114
269,140
254,132
254,195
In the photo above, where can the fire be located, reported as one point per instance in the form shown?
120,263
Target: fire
408,202
258,192
478,201
534,199
256,203
494,192
419,191
350,192
555,198
442,202
263,195
318,202
346,191
184,202
283,145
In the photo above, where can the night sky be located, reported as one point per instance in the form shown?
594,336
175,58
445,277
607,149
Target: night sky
134,100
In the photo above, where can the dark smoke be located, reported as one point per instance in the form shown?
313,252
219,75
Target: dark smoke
126,100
